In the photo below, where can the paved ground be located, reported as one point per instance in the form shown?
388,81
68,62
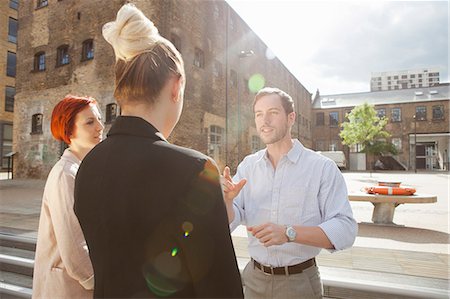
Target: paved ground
418,247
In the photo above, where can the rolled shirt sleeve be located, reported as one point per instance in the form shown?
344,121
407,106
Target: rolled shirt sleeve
338,222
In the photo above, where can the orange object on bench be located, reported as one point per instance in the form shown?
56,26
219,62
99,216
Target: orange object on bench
384,190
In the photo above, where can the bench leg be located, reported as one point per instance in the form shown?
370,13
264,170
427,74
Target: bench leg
383,213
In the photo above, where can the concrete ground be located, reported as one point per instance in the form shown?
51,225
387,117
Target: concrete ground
416,248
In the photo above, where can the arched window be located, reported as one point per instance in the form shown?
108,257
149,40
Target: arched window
62,55
88,50
39,62
111,112
36,123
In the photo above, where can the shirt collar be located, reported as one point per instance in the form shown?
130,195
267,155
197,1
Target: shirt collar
293,155
136,126
68,155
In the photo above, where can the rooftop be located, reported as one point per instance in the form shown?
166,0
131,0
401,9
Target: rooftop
410,95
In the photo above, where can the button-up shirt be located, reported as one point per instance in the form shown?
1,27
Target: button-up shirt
305,189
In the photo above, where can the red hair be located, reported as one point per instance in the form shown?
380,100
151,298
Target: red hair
64,113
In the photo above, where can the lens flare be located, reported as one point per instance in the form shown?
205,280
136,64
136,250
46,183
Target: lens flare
174,251
256,82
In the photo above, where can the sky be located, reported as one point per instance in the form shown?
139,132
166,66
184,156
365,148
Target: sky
334,46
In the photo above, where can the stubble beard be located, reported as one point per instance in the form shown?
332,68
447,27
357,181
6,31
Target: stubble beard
279,135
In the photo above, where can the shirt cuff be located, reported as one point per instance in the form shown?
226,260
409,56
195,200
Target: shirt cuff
88,284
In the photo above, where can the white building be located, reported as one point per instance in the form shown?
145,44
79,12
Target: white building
392,80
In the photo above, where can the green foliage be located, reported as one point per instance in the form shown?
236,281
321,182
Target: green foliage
364,127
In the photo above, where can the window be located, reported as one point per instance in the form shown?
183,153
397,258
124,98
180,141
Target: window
233,78
217,69
14,4
255,144
10,93
6,145
320,119
62,55
404,76
87,52
334,119
438,112
39,62
176,41
12,30
412,76
36,124
111,112
395,77
215,140
397,142
199,59
396,115
42,3
421,113
11,64
381,112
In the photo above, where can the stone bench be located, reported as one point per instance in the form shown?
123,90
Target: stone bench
384,205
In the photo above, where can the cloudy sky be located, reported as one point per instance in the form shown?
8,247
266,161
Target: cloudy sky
334,46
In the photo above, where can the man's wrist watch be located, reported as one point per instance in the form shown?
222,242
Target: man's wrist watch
291,234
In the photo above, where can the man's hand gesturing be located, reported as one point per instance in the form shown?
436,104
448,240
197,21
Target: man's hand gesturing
230,189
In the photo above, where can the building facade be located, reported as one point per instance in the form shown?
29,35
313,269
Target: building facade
225,62
418,121
8,50
394,80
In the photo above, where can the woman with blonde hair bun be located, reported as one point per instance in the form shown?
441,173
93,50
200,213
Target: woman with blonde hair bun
152,212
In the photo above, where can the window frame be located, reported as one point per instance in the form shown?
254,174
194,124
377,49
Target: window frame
62,53
111,113
85,50
11,68
442,112
12,38
37,63
400,115
424,118
37,120
199,58
332,124
14,4
41,3
9,101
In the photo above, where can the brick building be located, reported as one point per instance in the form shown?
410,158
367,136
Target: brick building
417,116
61,51
8,48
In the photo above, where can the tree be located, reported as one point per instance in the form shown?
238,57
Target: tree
366,129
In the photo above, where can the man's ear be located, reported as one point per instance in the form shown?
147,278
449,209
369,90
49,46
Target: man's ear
177,85
291,118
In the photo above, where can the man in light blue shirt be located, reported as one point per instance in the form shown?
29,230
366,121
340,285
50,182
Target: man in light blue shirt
292,200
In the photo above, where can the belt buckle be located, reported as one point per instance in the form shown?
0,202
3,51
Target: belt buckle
265,273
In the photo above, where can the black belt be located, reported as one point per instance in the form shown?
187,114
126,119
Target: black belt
295,269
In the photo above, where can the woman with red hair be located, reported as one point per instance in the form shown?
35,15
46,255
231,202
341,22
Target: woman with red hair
62,266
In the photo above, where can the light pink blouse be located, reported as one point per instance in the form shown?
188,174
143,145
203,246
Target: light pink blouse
62,266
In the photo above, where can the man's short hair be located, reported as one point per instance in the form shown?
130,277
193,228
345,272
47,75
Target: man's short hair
286,100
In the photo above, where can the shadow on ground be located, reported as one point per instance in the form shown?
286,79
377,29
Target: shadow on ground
403,234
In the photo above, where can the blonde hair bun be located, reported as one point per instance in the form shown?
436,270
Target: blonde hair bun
131,33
